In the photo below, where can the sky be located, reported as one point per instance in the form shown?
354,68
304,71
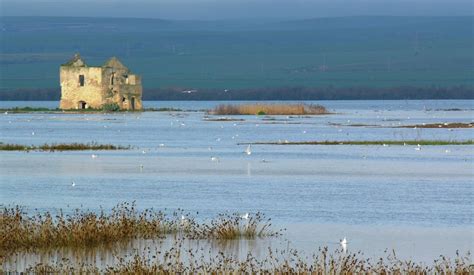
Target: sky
234,9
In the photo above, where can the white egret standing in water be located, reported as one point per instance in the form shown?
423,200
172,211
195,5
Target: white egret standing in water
245,216
248,151
184,221
73,184
343,243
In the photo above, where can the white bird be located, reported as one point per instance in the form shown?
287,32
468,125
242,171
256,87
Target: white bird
245,216
248,151
216,159
447,151
343,243
385,145
32,133
184,221
73,184
143,152
6,113
93,156
418,148
141,167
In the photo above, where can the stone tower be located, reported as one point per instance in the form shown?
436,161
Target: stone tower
84,86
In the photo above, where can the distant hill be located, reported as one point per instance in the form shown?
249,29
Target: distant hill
372,52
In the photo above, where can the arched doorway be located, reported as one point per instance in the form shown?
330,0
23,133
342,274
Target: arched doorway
132,103
82,105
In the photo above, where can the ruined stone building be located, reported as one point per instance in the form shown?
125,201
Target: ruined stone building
84,86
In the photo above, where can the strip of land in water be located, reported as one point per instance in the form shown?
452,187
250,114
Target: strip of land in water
25,110
269,109
61,147
445,125
366,142
439,125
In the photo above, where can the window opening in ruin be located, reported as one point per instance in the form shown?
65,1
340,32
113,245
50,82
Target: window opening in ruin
81,80
123,99
132,103
112,78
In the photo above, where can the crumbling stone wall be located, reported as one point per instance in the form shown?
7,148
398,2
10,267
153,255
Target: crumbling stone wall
85,87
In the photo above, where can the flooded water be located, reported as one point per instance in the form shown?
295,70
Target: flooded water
418,202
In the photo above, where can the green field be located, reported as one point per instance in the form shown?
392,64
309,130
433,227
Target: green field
340,52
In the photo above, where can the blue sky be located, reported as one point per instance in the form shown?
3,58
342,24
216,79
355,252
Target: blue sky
234,9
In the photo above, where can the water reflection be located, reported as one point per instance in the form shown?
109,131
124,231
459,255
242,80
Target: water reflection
104,256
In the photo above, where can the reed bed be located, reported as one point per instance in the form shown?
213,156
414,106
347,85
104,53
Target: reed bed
370,142
61,147
269,109
193,261
232,226
124,222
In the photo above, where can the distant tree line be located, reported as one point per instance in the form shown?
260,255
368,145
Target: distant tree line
283,93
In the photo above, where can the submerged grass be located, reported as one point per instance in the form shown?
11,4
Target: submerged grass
124,222
61,147
269,109
178,260
369,142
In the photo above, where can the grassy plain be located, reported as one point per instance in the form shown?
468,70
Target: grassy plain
341,52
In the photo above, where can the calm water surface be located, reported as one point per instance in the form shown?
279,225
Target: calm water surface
416,201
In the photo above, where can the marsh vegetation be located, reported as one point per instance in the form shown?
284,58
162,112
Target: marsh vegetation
61,147
85,229
269,109
366,142
323,261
